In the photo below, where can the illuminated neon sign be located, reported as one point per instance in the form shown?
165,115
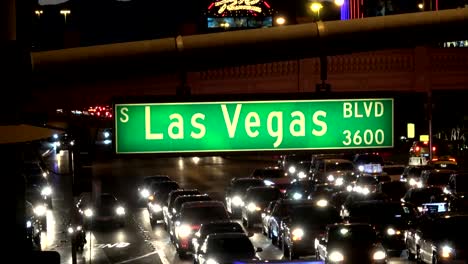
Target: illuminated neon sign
233,5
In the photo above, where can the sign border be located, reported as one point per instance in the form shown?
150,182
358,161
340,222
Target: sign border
250,102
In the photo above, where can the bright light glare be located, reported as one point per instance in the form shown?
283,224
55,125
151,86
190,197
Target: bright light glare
120,210
237,201
55,136
339,2
292,169
421,6
297,196
88,212
344,231
280,20
196,160
107,142
446,251
379,255
322,203
336,256
315,7
106,134
46,191
40,210
339,182
145,193
184,231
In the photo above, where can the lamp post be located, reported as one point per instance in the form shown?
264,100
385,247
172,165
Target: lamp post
65,13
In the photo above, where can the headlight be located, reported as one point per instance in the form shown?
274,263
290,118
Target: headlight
155,207
70,230
301,175
78,228
322,203
446,251
349,188
211,261
72,143
412,182
28,224
292,169
88,212
44,174
46,191
297,233
237,201
253,207
297,196
365,191
268,182
339,181
121,211
392,232
144,193
40,210
184,231
331,178
336,256
57,144
379,255
151,197
106,134
361,168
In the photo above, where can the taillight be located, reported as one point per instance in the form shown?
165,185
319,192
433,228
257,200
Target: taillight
433,148
418,148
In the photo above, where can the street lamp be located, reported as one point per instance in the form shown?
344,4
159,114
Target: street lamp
339,2
315,7
38,13
280,21
65,13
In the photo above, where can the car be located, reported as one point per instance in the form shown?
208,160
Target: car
303,225
367,158
412,175
39,206
192,216
236,190
105,209
457,190
350,243
41,185
395,190
224,248
436,178
334,171
158,199
33,227
389,219
439,239
429,196
176,208
168,209
256,200
215,227
143,189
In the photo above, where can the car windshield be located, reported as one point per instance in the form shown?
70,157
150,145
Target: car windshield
189,198
438,178
272,173
394,170
204,213
367,180
238,246
242,185
149,180
366,159
340,166
352,235
313,215
263,194
298,158
379,212
221,228
108,200
426,195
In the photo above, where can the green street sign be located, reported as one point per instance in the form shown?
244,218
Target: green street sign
253,126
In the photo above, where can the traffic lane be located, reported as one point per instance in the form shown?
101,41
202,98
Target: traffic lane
122,244
209,174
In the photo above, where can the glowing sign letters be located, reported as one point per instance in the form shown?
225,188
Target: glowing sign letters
233,5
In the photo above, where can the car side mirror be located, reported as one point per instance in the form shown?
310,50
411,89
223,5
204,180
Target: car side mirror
259,249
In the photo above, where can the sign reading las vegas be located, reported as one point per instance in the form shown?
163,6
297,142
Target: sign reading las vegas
253,126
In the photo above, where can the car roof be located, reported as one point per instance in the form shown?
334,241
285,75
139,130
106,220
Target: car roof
202,204
227,235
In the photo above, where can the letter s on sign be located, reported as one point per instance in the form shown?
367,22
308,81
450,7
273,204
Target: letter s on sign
124,112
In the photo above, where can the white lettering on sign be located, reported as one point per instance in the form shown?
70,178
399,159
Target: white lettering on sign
320,123
249,123
124,113
278,133
369,137
356,110
198,126
231,125
297,123
177,124
233,5
149,135
115,245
